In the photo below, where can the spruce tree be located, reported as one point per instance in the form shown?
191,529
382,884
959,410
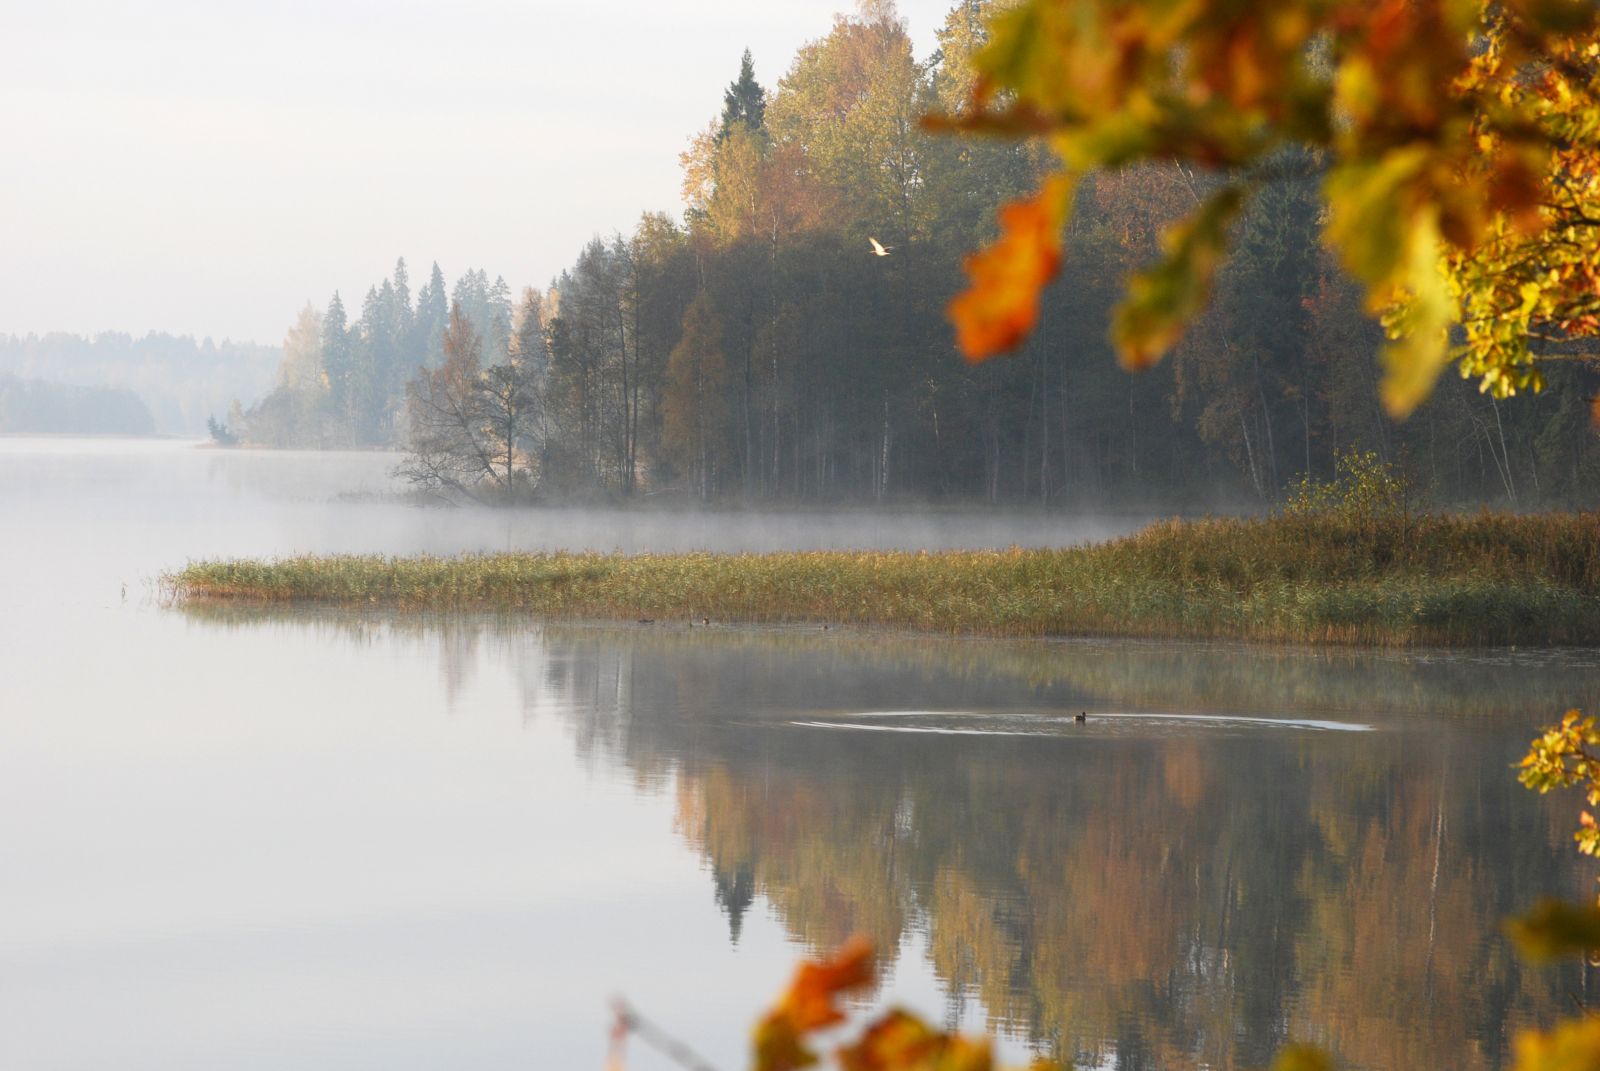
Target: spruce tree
433,310
745,102
497,325
402,292
337,361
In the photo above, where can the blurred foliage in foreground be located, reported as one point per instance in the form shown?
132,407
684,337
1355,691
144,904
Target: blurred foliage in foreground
893,1040
1561,757
1456,143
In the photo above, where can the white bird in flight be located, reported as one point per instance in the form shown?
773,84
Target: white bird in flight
878,248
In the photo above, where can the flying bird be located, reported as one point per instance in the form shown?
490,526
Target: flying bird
878,248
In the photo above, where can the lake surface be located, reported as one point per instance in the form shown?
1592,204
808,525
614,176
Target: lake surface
233,838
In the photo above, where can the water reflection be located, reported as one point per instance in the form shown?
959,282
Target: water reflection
1174,893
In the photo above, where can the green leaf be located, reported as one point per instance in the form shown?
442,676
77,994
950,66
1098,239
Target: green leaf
1162,299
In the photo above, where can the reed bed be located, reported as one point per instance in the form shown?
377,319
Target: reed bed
1484,579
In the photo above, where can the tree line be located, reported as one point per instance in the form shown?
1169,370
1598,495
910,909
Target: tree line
785,339
179,379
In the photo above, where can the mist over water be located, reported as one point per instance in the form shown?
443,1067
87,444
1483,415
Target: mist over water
237,838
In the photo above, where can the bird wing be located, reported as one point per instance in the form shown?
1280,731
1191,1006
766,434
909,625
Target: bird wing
877,247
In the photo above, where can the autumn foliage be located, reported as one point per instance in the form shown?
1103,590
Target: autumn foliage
1003,303
896,1040
1456,143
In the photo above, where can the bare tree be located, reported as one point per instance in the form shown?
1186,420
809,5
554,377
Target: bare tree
472,432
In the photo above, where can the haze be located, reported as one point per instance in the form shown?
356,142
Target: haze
207,168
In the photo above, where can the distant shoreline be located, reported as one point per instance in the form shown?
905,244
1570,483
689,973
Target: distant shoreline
1480,580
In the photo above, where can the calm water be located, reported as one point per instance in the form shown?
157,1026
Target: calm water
235,839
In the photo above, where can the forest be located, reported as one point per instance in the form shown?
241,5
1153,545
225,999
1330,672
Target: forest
35,406
784,340
179,379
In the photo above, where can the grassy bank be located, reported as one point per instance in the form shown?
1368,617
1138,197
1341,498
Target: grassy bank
1465,580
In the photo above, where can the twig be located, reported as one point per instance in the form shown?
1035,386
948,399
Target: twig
629,1021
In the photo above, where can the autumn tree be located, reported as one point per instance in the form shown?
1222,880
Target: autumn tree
295,412
695,404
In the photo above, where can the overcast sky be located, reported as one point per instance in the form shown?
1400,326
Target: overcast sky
205,167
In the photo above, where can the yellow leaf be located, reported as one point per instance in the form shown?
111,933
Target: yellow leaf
1420,350
1372,213
1572,1046
1302,1058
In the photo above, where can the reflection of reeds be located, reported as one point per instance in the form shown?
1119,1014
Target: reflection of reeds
1483,579
1117,675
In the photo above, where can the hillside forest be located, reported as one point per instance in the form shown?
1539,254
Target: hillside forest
785,338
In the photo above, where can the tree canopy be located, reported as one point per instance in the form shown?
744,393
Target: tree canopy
756,346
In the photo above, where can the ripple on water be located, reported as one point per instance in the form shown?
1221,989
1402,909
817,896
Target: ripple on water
1118,723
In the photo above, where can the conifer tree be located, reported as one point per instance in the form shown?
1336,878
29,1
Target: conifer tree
337,361
428,324
745,102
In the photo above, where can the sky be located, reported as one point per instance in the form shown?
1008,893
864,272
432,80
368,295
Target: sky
206,167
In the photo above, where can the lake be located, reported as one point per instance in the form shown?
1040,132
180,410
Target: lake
242,838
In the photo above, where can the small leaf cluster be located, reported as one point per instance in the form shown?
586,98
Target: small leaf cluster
1563,757
895,1040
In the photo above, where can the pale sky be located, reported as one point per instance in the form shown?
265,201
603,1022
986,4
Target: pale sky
205,167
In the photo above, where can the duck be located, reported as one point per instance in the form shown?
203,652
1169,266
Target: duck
1083,716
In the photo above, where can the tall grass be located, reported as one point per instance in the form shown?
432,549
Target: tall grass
1461,580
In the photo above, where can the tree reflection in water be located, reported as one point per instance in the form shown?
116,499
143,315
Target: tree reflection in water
1169,894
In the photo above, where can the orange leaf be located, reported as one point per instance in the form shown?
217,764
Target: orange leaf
999,308
810,1001
897,1040
809,1004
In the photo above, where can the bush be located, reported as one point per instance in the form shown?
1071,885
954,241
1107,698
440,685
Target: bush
1363,490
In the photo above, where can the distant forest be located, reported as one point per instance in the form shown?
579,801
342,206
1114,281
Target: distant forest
179,380
31,405
785,340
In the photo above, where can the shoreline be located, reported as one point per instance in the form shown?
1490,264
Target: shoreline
1483,580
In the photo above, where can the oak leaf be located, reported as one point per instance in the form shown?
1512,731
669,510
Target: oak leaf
1000,307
